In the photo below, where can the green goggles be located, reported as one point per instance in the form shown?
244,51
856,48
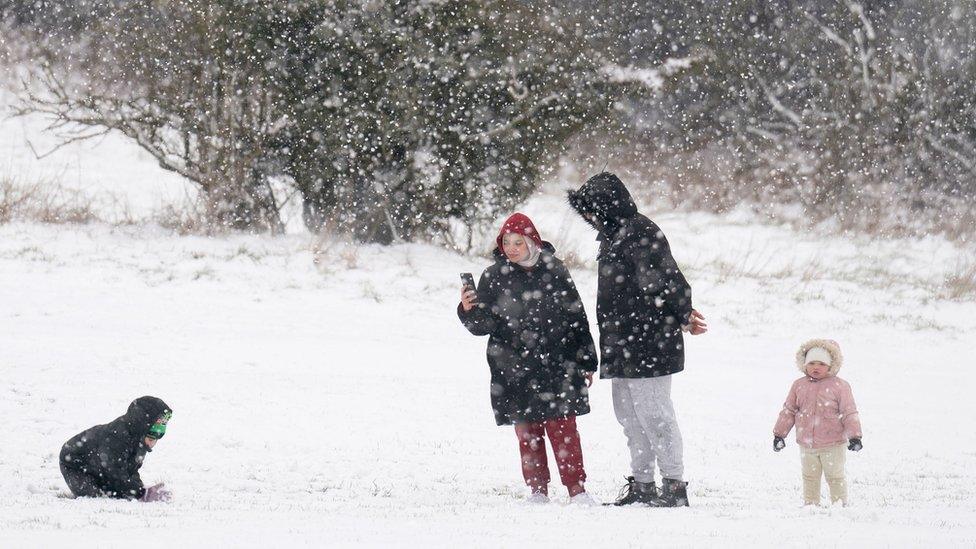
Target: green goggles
158,429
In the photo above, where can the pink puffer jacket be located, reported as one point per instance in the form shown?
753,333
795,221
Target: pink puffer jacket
823,411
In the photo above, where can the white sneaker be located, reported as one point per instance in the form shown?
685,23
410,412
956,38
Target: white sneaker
537,498
584,499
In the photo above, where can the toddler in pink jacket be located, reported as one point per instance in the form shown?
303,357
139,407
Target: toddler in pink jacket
822,408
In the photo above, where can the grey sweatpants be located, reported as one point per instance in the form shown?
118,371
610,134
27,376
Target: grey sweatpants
644,409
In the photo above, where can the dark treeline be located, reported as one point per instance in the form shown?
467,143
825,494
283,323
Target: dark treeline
860,111
393,120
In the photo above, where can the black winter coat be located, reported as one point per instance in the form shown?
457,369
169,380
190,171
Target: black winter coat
642,297
113,453
540,345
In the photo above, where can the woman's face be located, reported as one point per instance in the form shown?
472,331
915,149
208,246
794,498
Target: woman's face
515,248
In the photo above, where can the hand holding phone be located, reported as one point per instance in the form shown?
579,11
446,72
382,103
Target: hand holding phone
469,297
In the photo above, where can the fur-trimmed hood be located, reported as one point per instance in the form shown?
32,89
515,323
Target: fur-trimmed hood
831,346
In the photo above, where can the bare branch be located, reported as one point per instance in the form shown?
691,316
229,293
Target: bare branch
762,133
778,106
864,56
830,34
858,10
938,145
64,143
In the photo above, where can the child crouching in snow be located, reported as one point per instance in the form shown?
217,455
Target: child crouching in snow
104,461
822,407
540,353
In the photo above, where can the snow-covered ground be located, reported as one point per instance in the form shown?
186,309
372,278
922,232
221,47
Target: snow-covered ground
325,393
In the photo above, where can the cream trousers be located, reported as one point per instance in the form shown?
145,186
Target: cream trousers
827,462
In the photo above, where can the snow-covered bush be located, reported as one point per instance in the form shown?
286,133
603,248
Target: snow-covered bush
405,115
390,118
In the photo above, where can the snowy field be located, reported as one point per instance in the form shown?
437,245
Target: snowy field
326,395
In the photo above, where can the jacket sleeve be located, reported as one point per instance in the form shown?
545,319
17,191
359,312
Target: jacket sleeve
659,276
480,320
127,486
121,479
787,416
579,326
848,413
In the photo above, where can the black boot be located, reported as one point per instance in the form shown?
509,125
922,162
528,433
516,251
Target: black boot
674,493
635,492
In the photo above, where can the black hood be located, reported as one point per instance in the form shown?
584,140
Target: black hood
604,202
142,414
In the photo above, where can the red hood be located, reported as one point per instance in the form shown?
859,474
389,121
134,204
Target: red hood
519,223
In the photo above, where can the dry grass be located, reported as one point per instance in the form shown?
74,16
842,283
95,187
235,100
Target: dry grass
754,263
331,251
44,202
710,180
63,207
961,284
566,249
47,201
573,261
13,199
807,275
187,218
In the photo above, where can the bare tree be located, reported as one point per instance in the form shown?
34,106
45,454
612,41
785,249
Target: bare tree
187,82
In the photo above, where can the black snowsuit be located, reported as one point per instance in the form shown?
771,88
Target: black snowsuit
540,345
104,461
642,297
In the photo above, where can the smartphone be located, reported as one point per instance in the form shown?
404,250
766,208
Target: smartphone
468,280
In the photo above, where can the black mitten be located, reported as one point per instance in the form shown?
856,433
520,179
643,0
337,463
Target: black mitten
855,445
778,444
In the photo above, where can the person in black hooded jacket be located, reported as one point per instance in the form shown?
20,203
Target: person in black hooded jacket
104,461
540,353
643,304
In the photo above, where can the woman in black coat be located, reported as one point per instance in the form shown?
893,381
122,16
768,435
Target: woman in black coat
540,352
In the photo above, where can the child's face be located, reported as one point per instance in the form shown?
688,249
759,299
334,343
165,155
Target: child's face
150,442
513,244
817,369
